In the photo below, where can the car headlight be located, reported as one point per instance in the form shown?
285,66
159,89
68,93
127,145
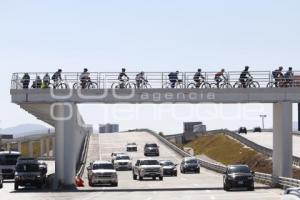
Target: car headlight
230,178
114,176
175,169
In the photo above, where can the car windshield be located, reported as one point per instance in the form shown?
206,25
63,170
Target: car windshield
149,162
131,144
8,159
192,161
151,145
103,166
239,169
167,163
27,168
123,158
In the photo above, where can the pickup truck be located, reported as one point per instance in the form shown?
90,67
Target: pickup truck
147,168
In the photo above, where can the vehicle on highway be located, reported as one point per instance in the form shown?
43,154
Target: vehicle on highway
1,181
190,164
256,129
169,168
123,162
291,194
238,176
114,155
8,161
151,149
242,129
102,172
147,168
131,146
30,172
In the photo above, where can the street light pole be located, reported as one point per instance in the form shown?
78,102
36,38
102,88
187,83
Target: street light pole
263,120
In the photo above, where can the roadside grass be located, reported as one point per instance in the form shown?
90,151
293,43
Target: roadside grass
226,150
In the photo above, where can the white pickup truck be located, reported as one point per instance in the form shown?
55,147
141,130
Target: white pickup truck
147,168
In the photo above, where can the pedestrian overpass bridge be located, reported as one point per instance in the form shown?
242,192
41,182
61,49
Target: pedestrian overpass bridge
58,107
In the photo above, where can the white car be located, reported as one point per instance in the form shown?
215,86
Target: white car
123,162
131,146
102,172
291,194
114,155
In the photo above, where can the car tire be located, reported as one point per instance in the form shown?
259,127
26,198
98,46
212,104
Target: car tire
115,184
161,178
140,178
251,188
134,177
1,185
183,171
153,178
175,174
225,187
91,184
16,186
198,171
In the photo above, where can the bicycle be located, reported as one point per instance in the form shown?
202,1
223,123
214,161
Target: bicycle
59,84
143,84
178,84
223,84
87,85
202,84
249,83
121,84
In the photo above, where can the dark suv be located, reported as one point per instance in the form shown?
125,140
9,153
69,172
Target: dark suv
238,176
242,130
151,149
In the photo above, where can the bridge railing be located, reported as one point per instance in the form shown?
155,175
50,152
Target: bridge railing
260,177
105,80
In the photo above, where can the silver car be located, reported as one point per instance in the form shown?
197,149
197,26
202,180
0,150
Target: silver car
291,194
123,162
102,172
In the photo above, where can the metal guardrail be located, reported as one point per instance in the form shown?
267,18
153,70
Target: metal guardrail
103,80
261,149
259,177
81,162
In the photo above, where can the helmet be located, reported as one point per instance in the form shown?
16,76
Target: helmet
290,68
123,69
246,68
59,70
199,70
280,68
177,72
222,70
85,69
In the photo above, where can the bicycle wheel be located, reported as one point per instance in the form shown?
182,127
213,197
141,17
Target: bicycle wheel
147,85
191,85
167,85
76,85
115,85
270,85
92,85
213,85
226,85
206,85
51,85
237,85
255,83
179,85
130,85
62,86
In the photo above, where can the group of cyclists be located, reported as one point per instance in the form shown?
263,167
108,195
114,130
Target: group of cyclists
280,79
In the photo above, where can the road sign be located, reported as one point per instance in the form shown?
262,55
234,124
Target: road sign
7,137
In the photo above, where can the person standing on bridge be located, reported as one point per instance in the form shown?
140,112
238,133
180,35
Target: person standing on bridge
173,78
219,76
198,78
244,77
57,77
288,77
25,80
278,76
121,78
139,78
46,81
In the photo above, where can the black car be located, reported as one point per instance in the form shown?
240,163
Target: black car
190,164
169,168
256,129
151,149
238,176
242,130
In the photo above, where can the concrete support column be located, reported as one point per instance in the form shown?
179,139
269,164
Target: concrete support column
65,130
20,147
30,148
282,140
42,147
47,140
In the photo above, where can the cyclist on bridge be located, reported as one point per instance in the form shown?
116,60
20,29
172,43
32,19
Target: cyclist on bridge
173,78
245,76
198,78
139,78
288,76
84,78
219,77
57,76
278,76
121,78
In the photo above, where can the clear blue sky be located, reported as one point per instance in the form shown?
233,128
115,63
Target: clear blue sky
152,35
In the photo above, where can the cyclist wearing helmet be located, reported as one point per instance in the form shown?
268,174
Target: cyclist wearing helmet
173,78
288,76
244,76
278,76
57,76
198,78
121,78
139,78
84,78
219,76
